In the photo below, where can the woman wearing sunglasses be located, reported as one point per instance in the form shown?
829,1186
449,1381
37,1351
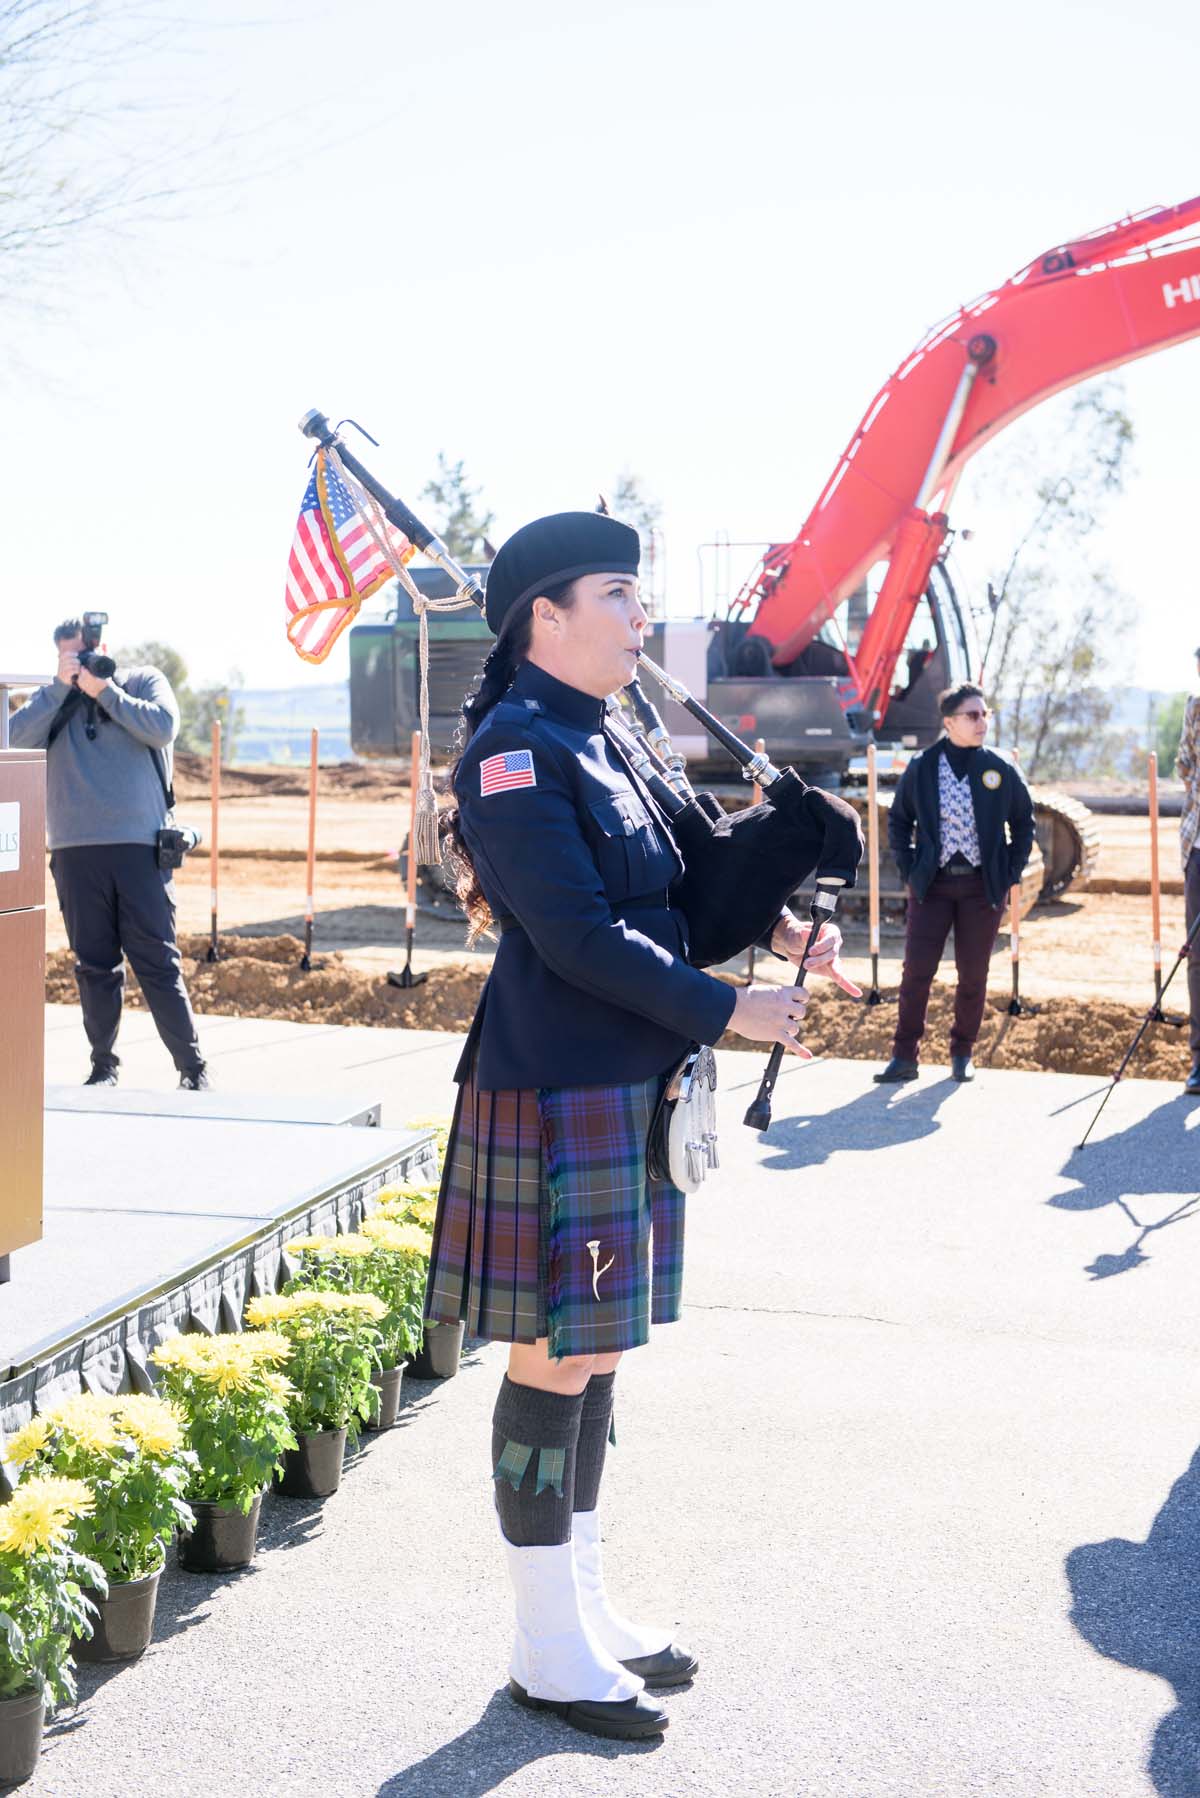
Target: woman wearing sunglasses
961,830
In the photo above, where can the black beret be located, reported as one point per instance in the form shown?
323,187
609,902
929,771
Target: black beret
553,550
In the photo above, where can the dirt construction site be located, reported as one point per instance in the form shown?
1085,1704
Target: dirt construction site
1086,970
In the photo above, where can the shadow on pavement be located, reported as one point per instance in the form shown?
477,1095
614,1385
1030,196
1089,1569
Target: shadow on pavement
1139,1603
1154,1156
183,1604
878,1118
505,1739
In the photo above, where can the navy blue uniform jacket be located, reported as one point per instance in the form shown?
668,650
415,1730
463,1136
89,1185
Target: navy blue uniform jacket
590,985
1003,819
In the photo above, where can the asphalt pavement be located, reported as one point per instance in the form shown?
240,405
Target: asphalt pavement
916,1477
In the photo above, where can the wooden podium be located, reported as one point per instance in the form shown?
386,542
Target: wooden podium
22,995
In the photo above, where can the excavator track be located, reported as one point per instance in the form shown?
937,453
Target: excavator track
1069,838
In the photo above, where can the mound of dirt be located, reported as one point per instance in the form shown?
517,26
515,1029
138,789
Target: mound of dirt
1063,1036
261,977
357,780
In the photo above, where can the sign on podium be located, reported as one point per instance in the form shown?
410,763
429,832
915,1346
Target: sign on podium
22,995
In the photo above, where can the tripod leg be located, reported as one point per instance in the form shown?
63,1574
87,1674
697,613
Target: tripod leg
1145,1024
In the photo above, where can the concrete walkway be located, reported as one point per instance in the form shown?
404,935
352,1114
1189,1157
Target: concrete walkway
916,1477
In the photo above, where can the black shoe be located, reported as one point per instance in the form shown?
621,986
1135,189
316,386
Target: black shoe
962,1067
1193,1080
896,1070
104,1075
195,1082
629,1719
669,1667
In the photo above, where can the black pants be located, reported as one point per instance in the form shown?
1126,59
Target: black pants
955,902
116,901
1191,900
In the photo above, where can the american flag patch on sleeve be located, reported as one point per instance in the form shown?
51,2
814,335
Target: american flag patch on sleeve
512,769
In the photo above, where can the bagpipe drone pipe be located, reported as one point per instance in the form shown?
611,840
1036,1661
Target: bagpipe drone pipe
741,867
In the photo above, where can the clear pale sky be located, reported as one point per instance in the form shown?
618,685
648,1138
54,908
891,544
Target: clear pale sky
558,241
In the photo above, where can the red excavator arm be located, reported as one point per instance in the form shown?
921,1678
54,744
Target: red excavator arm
1078,310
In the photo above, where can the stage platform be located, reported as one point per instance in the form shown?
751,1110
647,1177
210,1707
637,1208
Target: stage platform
230,1107
133,1201
165,1210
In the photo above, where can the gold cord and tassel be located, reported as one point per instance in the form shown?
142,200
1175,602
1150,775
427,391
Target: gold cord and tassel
427,847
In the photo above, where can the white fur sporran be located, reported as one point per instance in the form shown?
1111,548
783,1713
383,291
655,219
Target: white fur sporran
683,1136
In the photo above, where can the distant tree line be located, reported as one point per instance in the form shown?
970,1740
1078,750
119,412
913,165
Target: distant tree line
199,707
463,522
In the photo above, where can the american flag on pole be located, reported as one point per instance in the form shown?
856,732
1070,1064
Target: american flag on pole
335,562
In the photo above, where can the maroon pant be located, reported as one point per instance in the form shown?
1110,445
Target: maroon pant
958,902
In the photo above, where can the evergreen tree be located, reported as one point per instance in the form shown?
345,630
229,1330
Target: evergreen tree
461,523
197,708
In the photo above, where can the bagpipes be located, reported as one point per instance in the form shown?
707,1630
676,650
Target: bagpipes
741,868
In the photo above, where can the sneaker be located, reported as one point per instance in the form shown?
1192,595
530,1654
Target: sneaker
104,1075
194,1082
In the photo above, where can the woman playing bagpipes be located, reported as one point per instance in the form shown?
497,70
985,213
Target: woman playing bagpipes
551,1233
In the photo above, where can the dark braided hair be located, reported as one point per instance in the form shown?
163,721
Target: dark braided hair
507,653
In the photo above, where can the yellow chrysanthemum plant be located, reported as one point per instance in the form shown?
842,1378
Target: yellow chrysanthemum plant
44,1581
385,1259
397,1275
412,1203
130,1452
234,1399
439,1126
409,1207
333,1343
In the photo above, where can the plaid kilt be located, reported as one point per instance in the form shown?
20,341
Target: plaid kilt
548,1223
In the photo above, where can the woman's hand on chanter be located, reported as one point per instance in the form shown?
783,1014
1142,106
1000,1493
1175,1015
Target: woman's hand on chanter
825,956
764,1013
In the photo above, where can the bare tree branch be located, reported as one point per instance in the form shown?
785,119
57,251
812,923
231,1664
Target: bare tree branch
1059,617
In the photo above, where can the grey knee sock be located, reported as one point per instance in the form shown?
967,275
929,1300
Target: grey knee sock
534,1437
594,1425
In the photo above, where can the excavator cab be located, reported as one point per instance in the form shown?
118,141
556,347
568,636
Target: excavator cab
804,709
938,651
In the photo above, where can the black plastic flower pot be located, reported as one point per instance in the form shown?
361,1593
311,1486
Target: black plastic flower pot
22,1720
125,1624
314,1470
387,1383
224,1537
438,1356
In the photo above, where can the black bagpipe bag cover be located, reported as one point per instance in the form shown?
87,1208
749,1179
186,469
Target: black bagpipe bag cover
741,868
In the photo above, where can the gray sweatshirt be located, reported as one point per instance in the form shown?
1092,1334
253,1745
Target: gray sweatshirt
104,790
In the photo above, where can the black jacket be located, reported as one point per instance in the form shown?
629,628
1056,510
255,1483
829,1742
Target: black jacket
591,983
1003,819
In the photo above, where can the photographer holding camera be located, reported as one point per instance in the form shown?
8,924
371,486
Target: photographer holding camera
107,735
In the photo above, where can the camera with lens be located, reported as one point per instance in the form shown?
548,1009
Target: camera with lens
103,667
173,842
